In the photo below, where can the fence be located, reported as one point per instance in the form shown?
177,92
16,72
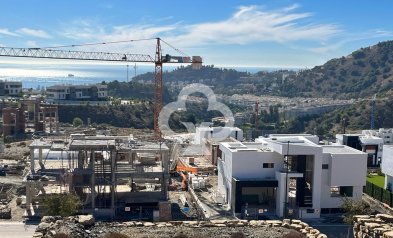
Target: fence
379,193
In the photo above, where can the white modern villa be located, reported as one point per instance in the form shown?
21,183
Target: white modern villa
289,171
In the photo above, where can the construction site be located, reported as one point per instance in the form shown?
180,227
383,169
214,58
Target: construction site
114,176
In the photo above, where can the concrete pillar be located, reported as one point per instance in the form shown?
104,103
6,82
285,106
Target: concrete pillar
32,161
57,121
93,180
165,177
28,195
280,197
40,158
50,122
113,164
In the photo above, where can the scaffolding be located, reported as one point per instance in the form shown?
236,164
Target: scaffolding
110,174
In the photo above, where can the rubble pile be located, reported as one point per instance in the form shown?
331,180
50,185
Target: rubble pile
5,212
373,226
86,226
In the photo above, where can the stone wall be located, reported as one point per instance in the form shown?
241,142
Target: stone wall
373,226
83,226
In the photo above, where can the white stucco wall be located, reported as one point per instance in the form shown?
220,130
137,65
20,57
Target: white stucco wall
387,160
387,164
249,164
348,169
202,133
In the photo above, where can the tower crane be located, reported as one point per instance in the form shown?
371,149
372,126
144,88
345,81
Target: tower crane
158,60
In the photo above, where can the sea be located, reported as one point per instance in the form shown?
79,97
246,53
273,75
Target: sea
40,76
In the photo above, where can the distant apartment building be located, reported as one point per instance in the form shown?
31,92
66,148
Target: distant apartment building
10,88
371,145
288,174
77,92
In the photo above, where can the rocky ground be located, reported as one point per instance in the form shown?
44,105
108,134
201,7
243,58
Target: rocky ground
85,226
16,150
15,157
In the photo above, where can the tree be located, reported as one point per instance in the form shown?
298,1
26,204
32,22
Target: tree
61,205
77,122
354,207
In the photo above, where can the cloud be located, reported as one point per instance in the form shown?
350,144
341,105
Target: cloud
34,33
5,31
325,48
248,24
251,24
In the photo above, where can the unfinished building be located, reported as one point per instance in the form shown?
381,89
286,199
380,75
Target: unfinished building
114,176
30,116
39,116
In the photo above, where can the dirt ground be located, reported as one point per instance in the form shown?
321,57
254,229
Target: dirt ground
13,155
15,150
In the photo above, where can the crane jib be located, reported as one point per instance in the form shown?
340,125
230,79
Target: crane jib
74,55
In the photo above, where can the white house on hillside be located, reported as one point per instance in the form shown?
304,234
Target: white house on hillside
387,166
204,133
368,143
253,175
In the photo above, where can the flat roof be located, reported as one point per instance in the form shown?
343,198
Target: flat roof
293,140
90,144
247,146
46,144
340,149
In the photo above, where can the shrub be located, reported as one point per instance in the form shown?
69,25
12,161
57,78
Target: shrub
354,207
77,122
61,205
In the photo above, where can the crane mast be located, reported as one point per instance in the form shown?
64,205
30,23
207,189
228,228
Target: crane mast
158,60
158,89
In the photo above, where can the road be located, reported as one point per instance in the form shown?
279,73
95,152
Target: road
16,229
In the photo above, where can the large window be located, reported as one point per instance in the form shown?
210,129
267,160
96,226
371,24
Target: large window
343,191
268,165
346,191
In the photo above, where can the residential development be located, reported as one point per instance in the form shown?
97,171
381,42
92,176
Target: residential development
77,92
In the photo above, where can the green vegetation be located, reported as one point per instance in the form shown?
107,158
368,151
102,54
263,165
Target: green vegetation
134,90
378,180
138,116
61,205
354,207
77,122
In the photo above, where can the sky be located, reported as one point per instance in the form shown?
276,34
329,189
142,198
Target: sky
271,33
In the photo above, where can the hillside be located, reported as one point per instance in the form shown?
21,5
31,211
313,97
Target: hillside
358,117
134,90
222,80
361,74
138,116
